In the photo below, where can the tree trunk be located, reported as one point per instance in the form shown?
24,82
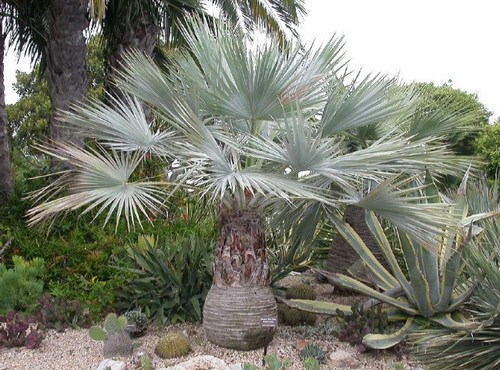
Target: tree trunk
240,296
5,166
140,34
240,255
342,256
66,69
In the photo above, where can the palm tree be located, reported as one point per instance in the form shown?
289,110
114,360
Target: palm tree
140,24
5,165
440,122
243,126
66,67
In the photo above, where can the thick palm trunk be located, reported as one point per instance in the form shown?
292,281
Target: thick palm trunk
5,166
140,34
240,255
66,52
342,256
240,296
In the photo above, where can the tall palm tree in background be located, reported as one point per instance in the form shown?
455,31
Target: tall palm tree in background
66,67
141,24
250,127
51,32
5,165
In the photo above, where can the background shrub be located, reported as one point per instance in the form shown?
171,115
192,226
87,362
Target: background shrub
20,285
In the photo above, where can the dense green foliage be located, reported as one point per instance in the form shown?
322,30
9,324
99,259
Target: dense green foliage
434,98
81,256
488,147
171,276
20,286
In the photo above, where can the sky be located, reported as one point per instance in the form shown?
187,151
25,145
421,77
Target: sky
425,41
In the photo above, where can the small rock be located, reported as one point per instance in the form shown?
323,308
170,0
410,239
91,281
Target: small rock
238,366
200,362
343,360
112,365
300,344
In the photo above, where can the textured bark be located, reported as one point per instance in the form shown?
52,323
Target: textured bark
5,166
231,316
141,34
66,51
342,255
240,296
240,255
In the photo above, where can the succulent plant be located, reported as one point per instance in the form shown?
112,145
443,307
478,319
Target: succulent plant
301,291
139,319
117,341
173,345
312,350
112,324
294,317
310,363
353,327
15,331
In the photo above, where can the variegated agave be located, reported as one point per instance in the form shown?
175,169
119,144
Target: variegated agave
432,291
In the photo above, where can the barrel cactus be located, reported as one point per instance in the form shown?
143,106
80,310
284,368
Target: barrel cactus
173,345
139,319
301,291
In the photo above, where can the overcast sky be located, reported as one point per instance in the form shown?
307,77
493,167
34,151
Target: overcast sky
424,40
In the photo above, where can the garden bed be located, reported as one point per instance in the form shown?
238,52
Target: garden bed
75,350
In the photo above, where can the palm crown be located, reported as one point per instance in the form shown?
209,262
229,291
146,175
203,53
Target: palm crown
247,125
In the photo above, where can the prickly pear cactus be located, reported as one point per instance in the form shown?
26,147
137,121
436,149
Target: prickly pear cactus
118,344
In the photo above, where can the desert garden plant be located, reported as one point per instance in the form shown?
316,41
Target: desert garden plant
433,292
116,339
247,127
16,331
171,277
440,348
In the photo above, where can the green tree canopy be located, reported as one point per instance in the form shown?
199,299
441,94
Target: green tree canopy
434,98
488,146
28,117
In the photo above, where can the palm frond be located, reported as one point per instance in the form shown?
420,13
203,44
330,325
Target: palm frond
101,180
125,127
361,104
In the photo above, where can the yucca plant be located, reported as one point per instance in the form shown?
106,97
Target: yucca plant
432,293
439,348
246,127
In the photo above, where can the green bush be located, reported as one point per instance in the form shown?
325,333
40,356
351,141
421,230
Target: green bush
20,286
172,277
80,253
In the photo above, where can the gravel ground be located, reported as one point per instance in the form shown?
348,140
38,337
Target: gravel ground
74,350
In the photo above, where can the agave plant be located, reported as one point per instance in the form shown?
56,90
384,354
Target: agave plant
440,348
432,291
244,127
